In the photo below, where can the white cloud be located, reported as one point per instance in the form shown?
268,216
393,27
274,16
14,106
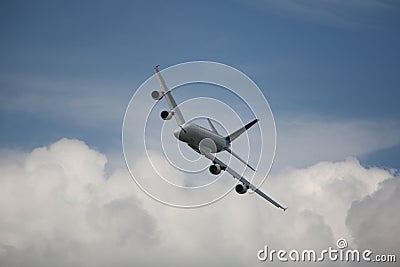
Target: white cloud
374,220
328,189
56,210
60,209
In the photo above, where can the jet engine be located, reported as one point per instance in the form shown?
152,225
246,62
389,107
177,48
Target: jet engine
157,95
215,169
241,188
166,115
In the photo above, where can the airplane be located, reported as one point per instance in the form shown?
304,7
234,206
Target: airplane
207,142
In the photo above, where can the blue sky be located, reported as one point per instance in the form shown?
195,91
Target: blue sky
68,68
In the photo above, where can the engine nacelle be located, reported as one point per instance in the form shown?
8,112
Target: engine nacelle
241,188
215,169
166,115
157,95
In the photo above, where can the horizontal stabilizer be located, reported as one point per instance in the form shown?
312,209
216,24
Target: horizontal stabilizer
238,132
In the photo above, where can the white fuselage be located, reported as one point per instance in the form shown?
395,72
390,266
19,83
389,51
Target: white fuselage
193,134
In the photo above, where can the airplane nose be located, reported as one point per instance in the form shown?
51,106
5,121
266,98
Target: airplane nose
177,132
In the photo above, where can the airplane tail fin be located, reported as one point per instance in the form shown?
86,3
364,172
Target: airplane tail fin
229,139
212,126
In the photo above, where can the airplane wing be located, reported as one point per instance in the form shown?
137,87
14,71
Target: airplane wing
206,152
170,100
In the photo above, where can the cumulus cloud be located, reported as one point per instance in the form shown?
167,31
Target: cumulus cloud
59,208
374,220
56,210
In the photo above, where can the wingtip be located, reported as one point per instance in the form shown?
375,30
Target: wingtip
284,209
